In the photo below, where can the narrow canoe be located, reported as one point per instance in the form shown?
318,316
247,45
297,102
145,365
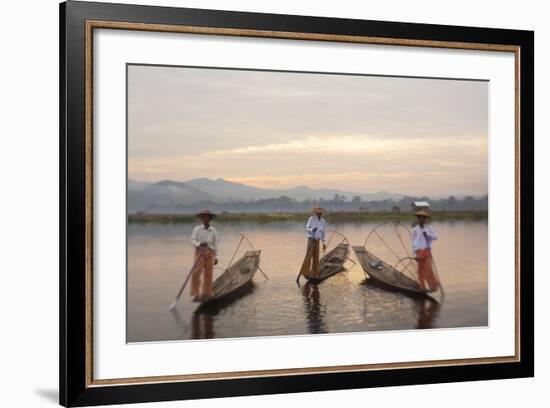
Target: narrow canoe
332,263
387,274
235,278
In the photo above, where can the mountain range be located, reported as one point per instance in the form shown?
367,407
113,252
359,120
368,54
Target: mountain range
172,194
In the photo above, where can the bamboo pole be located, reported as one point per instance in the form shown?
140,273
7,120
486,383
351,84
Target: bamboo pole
173,304
438,279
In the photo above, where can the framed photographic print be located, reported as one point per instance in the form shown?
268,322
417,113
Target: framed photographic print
256,203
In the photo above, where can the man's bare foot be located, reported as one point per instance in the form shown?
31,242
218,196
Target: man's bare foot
196,299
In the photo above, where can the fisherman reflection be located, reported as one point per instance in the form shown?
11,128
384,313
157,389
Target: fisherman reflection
315,311
428,311
202,325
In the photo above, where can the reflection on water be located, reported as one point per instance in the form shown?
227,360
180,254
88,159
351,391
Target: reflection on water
314,309
427,308
427,312
202,326
159,257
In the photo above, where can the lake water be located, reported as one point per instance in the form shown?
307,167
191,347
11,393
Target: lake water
160,256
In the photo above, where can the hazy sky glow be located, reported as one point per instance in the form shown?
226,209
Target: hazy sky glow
279,130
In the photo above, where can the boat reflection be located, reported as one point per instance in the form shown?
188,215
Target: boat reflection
426,307
315,311
204,317
202,323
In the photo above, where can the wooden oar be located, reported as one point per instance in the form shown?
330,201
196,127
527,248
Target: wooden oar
310,243
300,271
438,279
173,304
435,270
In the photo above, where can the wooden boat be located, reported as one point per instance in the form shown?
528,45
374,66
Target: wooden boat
387,274
332,263
235,278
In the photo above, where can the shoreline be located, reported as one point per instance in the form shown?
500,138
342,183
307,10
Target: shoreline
334,217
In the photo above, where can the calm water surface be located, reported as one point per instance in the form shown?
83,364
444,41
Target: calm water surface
159,258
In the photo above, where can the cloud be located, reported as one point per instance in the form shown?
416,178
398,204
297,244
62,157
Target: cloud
364,132
356,145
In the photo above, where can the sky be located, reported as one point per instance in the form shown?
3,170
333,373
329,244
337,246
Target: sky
413,136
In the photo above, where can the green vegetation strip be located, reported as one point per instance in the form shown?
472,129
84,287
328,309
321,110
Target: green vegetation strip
142,218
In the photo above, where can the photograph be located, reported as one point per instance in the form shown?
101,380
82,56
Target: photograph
283,203
257,203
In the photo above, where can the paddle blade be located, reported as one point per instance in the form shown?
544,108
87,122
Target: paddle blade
172,305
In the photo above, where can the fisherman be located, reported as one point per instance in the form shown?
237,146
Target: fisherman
315,229
422,237
204,238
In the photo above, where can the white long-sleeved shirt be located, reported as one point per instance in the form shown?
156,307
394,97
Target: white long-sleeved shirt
315,222
210,236
420,241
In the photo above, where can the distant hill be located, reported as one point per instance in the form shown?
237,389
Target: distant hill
232,191
167,194
137,185
302,193
382,195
